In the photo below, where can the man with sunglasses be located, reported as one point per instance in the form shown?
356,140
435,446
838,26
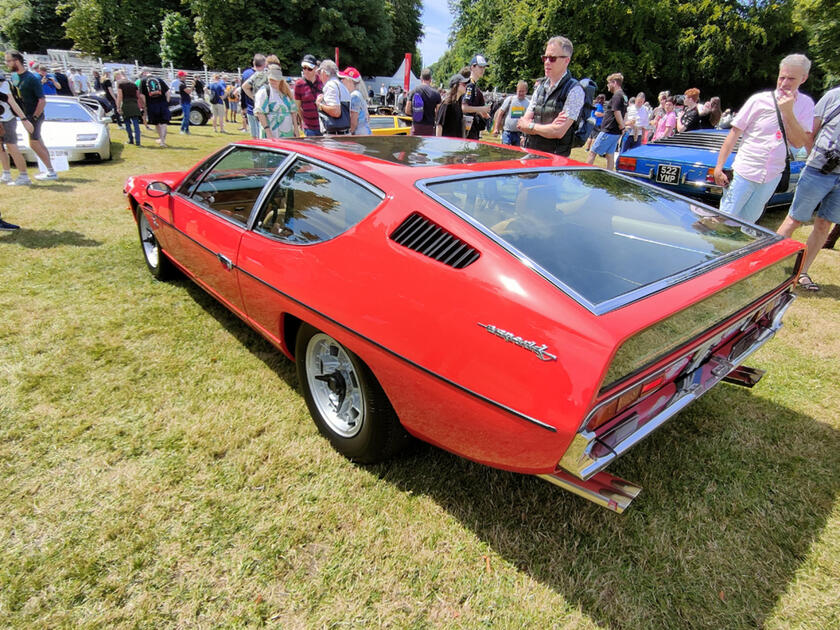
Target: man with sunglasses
556,104
307,89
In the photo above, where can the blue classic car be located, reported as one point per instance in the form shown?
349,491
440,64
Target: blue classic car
685,164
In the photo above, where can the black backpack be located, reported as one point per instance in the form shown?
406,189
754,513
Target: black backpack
585,122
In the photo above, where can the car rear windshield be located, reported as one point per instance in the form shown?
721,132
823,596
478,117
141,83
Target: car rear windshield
600,235
66,112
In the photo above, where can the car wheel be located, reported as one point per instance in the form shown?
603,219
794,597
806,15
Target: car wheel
345,400
157,262
197,117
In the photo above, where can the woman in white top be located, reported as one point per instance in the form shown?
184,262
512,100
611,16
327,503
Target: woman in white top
275,108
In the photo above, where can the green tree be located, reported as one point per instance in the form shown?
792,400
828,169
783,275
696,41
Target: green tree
820,20
229,32
32,25
118,29
176,41
407,29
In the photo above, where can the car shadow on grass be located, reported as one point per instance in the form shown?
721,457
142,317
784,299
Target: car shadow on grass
46,239
736,490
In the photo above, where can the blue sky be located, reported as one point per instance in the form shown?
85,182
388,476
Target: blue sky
436,22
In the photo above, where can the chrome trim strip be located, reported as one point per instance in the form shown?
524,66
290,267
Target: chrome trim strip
614,303
578,459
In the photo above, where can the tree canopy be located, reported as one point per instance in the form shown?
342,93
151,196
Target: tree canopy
372,35
724,47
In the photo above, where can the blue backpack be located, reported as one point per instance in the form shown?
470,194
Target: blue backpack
417,107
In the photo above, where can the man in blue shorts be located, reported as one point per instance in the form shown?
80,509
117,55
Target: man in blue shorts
613,123
819,185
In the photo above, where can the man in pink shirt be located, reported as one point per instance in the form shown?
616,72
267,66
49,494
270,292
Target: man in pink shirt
760,160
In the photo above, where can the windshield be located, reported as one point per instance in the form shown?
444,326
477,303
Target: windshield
598,234
66,112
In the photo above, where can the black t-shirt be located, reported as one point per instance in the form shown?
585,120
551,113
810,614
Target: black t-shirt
431,99
474,97
616,104
198,88
690,119
64,83
182,92
154,89
451,119
107,86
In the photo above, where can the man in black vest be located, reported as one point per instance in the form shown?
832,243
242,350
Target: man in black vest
549,123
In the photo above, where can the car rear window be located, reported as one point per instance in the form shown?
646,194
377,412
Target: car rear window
598,234
66,112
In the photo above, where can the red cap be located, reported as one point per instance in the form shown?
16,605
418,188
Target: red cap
350,73
181,73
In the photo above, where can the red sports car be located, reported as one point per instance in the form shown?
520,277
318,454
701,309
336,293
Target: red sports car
519,309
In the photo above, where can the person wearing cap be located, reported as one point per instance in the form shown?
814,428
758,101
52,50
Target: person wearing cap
472,103
274,106
429,97
450,117
307,89
352,80
549,120
334,102
185,94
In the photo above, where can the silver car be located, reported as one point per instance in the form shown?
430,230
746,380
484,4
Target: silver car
70,130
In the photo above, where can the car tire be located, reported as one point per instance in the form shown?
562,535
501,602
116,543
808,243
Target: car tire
197,117
345,400
157,262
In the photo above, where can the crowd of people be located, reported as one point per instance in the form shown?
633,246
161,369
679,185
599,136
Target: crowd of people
326,100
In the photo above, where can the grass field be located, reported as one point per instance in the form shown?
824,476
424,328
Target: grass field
159,469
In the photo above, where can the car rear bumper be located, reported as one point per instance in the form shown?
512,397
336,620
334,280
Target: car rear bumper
591,452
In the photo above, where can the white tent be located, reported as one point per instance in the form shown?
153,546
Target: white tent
398,78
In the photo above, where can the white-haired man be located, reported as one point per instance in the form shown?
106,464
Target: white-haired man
334,102
760,160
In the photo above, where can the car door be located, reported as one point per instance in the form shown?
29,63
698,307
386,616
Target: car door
211,217
292,253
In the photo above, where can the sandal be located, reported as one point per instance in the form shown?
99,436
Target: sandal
804,282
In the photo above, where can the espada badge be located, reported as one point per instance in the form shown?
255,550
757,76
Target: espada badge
533,346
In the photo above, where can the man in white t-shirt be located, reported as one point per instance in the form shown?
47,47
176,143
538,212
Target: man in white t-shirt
79,82
334,102
513,108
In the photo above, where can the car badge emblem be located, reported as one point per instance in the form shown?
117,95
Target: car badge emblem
533,346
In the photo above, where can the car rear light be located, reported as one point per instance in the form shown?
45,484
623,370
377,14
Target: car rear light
86,137
630,396
710,176
626,164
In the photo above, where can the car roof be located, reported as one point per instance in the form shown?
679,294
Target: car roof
414,157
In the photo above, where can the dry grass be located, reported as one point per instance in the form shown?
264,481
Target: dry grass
158,469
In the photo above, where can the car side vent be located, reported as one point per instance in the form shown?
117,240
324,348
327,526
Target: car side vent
427,238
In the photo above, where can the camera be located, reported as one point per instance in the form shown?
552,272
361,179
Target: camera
832,159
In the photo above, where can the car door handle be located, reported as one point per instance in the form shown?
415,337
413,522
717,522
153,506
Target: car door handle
225,261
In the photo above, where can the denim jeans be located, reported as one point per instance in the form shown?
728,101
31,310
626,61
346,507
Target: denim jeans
511,137
746,199
134,122
185,121
311,132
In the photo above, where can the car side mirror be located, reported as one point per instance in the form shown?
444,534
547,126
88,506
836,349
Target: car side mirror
105,119
158,189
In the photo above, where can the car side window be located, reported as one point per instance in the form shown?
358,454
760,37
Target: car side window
311,204
232,186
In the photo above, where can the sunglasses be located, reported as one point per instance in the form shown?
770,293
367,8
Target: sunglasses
553,58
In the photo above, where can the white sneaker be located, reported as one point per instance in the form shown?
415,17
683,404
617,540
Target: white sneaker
49,175
6,177
22,180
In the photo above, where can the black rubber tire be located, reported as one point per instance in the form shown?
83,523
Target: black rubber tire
380,435
156,261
